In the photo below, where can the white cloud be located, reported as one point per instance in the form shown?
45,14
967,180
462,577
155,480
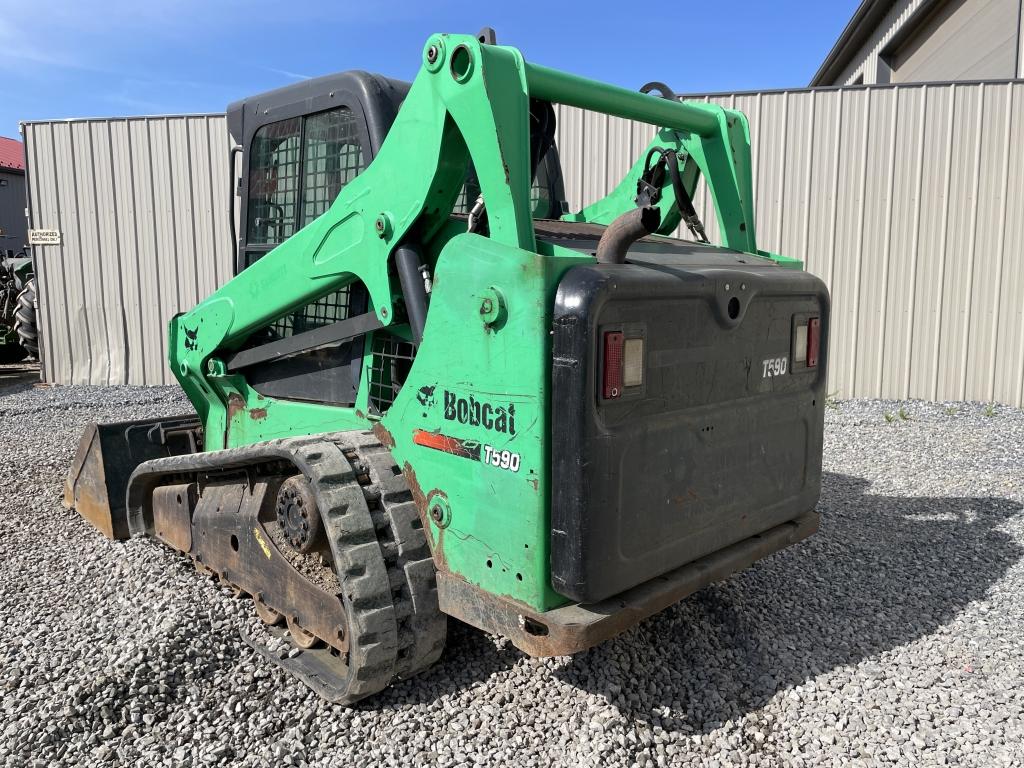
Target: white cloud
286,73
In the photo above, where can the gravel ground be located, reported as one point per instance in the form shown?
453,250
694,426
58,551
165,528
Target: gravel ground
895,636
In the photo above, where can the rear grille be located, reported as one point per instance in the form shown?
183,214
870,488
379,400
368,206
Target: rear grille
391,360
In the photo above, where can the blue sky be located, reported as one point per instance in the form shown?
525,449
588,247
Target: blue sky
61,58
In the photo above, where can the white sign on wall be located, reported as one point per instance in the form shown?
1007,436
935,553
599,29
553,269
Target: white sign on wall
44,237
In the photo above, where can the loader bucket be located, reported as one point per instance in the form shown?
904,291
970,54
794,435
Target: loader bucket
109,453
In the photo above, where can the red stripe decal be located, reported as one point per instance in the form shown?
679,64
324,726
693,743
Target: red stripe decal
452,445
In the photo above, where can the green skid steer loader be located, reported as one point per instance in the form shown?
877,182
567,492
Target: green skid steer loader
430,391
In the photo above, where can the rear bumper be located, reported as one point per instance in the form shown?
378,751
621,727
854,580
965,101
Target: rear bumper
576,627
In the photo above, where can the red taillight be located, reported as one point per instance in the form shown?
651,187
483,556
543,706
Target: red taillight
612,375
813,341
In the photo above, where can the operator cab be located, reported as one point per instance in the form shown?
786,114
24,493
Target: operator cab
301,144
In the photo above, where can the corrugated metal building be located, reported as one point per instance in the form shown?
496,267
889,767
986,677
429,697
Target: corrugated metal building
903,41
12,195
141,204
906,200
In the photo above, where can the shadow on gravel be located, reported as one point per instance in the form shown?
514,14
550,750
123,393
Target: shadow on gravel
19,377
883,571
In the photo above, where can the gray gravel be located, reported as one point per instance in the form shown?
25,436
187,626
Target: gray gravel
895,636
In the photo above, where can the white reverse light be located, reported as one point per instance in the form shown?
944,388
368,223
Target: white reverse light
633,363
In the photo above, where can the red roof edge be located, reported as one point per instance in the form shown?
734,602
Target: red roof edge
12,154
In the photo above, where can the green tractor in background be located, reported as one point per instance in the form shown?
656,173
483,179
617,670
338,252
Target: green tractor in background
19,329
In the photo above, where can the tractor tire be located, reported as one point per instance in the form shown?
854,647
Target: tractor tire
26,323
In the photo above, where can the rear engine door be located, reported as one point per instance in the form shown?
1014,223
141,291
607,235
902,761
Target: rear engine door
690,403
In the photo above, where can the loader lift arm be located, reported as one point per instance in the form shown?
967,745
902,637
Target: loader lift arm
470,102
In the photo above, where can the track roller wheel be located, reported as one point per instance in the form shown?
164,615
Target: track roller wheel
300,637
267,614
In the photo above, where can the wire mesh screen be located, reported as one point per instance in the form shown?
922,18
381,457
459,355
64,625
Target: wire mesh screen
333,156
273,182
324,311
391,360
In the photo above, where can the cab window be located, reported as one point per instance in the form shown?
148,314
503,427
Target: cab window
297,167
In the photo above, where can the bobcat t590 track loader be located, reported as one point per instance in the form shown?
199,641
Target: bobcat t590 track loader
430,391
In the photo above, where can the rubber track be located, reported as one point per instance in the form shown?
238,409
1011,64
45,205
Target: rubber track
422,628
381,555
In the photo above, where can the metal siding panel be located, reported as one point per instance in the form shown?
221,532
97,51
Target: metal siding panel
875,230
49,261
203,220
141,205
89,262
169,267
183,207
985,291
753,110
1009,337
595,162
849,231
824,195
80,329
573,142
902,242
960,246
618,153
932,239
773,181
148,251
107,252
971,40
124,182
797,142
218,185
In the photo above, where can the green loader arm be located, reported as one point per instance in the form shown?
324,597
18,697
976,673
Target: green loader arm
469,101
